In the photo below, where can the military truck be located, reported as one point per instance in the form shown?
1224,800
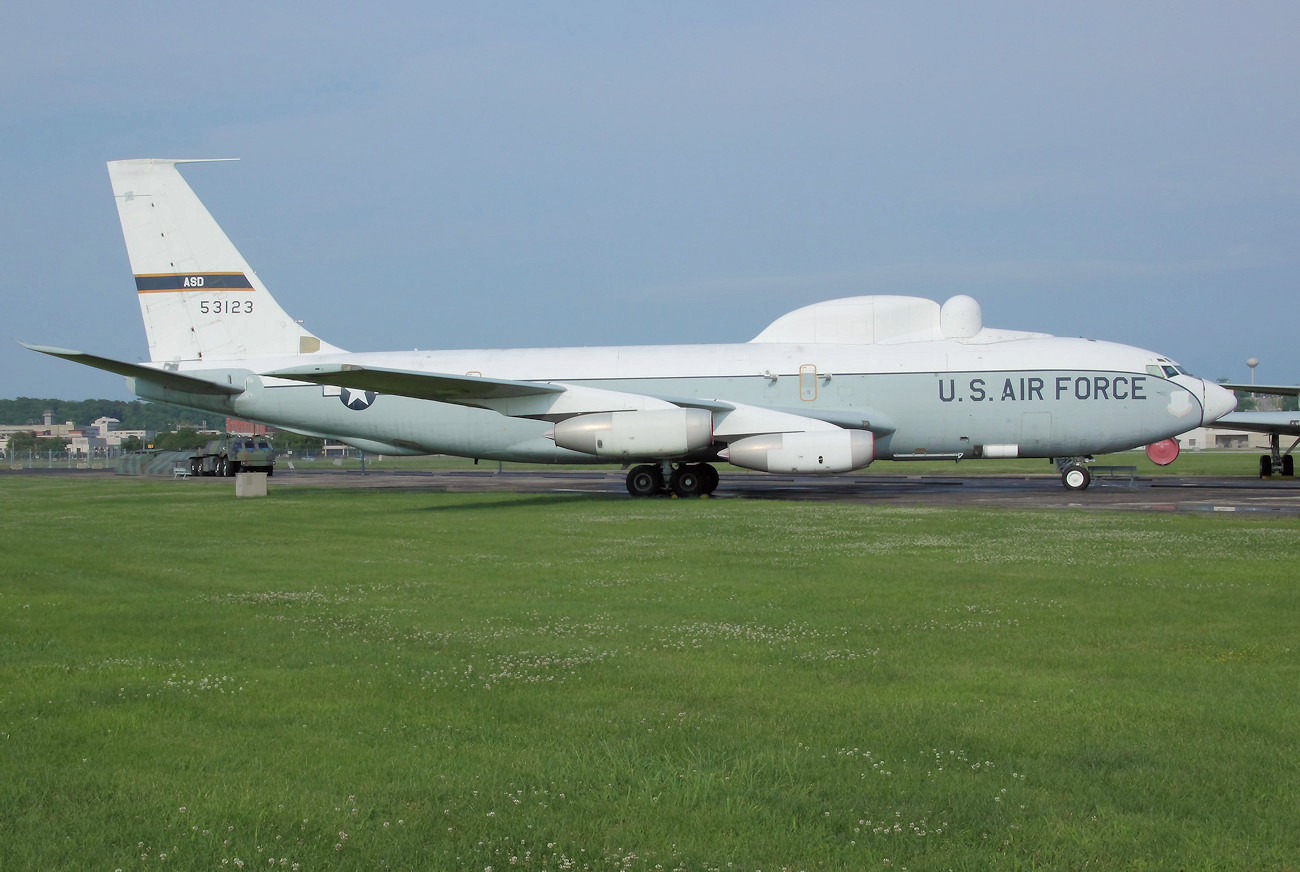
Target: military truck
236,454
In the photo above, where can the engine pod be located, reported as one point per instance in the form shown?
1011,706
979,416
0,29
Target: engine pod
645,435
818,451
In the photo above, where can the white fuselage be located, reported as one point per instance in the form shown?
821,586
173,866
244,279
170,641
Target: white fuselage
1046,396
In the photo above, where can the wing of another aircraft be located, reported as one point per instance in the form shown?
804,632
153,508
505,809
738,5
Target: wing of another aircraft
1275,424
1285,423
1272,390
163,377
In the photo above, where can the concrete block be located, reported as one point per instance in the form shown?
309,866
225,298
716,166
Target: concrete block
250,484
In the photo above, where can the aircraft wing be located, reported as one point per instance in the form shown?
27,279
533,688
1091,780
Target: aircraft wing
463,390
862,420
165,378
1271,390
1285,423
557,401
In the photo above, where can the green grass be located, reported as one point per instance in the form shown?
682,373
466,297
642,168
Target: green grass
399,679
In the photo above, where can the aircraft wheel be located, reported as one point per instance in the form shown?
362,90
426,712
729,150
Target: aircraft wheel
710,477
1265,466
687,481
1076,477
644,481
1288,465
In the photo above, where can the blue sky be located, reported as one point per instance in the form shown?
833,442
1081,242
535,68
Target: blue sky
502,174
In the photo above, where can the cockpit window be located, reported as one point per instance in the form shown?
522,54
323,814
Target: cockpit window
1165,370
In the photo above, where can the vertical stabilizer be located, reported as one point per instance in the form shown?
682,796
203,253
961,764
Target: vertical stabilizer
200,300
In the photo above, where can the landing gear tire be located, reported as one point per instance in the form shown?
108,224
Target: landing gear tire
1076,477
710,477
687,481
644,481
1288,466
1265,466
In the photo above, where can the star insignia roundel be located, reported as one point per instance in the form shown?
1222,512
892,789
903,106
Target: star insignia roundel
357,400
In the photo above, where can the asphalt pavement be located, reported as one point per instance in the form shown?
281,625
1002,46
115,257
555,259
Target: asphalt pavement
1162,493
1147,494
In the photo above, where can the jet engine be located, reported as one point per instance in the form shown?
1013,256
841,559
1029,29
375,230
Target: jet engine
810,452
650,434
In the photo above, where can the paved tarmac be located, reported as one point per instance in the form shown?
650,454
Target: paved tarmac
1154,494
1241,494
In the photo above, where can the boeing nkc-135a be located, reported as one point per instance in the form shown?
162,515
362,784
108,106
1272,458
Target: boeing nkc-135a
827,388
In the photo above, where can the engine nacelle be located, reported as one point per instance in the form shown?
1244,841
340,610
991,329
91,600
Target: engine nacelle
816,451
645,435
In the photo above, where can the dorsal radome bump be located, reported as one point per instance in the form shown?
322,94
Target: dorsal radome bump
961,318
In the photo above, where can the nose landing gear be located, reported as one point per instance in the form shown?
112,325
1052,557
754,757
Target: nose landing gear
1074,475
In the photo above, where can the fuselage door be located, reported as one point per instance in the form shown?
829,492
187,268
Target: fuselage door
808,382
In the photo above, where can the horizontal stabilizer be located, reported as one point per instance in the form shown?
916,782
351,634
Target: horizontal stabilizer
165,378
463,390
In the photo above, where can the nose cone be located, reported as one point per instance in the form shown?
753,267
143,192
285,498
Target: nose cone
1218,402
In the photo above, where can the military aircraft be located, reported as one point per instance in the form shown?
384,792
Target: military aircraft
1275,424
827,388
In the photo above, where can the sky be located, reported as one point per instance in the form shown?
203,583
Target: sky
501,174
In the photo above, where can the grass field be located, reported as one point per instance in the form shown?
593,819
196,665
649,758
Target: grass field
366,679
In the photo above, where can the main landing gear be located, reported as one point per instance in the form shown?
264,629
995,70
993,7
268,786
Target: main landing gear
681,479
1074,475
1275,462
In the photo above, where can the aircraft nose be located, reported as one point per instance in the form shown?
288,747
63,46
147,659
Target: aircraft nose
1218,402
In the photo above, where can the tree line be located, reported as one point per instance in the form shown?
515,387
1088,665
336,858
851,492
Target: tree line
134,414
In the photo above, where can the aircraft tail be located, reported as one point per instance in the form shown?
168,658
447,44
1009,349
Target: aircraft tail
199,298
